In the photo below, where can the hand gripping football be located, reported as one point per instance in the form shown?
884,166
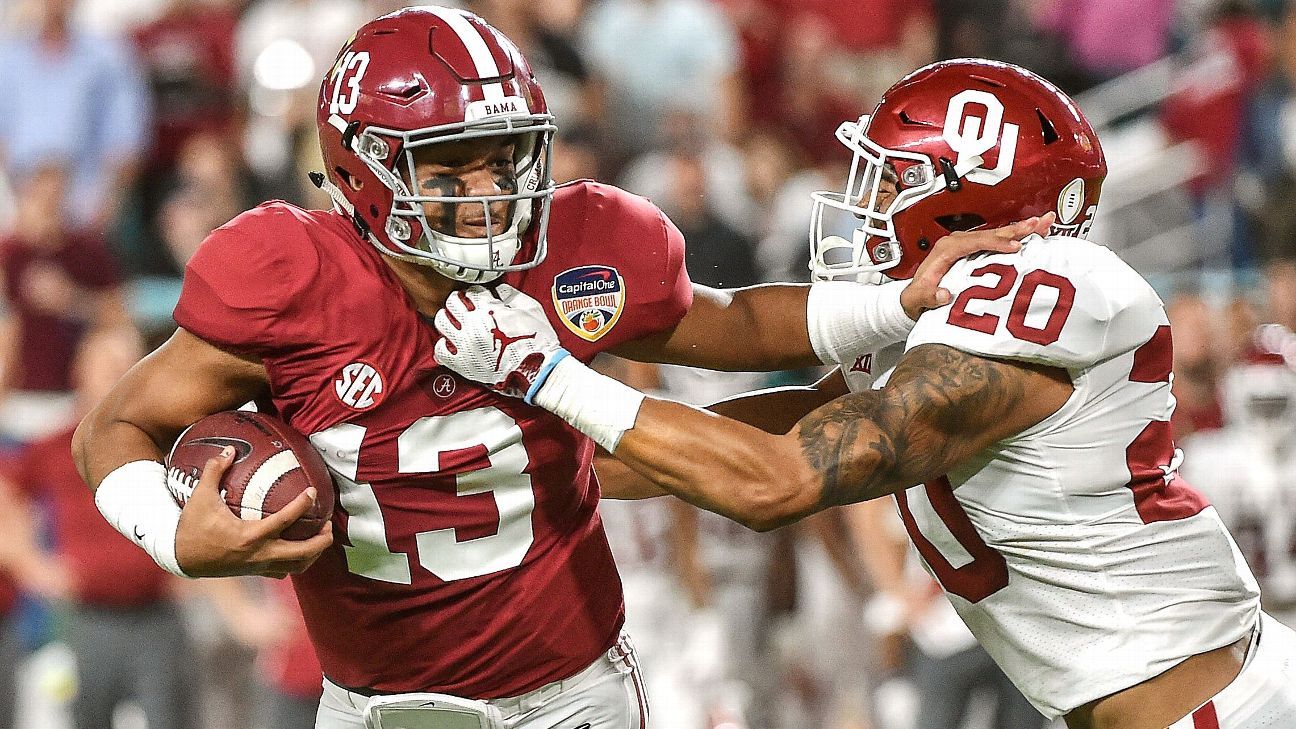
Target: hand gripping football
272,465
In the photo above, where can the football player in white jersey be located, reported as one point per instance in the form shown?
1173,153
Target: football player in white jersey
1248,467
1034,410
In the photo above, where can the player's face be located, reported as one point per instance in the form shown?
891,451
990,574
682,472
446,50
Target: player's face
888,187
462,169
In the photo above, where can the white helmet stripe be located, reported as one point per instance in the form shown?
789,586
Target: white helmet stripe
477,49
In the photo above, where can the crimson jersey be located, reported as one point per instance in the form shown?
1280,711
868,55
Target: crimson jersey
470,556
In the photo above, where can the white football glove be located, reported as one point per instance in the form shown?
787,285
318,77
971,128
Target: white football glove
502,340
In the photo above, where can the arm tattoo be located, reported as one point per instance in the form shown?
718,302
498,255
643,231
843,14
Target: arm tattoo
940,406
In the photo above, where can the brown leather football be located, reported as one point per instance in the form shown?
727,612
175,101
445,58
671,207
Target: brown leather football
272,465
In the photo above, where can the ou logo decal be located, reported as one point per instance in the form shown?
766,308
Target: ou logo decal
359,386
348,71
973,136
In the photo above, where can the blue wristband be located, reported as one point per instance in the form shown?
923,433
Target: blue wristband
543,374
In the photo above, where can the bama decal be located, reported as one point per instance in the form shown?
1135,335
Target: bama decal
589,299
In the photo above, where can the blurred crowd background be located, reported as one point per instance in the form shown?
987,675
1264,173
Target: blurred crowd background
131,128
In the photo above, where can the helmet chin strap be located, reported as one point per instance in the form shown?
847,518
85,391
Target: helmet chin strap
342,205
954,173
339,200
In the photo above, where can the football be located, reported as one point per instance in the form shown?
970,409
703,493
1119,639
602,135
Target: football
272,465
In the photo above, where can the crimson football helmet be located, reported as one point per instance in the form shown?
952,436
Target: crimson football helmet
431,75
956,145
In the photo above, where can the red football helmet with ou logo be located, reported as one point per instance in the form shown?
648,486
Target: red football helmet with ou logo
430,75
956,145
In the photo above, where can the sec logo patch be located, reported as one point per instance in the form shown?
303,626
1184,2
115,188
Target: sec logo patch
589,299
359,386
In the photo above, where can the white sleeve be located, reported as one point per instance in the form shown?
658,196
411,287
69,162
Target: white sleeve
1063,303
845,318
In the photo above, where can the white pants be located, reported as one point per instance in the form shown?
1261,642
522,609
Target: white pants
1263,696
606,695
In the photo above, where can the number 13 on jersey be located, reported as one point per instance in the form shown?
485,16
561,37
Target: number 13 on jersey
420,450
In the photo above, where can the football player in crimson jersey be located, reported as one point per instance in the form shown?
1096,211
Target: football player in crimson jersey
466,566
1033,410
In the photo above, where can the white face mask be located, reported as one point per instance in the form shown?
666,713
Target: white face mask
474,260
853,232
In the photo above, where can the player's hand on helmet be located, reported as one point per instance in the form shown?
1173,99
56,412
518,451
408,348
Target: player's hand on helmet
212,542
502,339
924,290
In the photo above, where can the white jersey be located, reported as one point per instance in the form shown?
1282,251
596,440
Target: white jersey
1250,477
867,369
1073,550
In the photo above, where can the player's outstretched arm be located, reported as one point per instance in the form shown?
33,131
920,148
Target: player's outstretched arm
773,411
940,407
785,326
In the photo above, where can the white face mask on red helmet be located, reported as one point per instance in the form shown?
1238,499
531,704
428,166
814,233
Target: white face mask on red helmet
869,214
426,76
956,145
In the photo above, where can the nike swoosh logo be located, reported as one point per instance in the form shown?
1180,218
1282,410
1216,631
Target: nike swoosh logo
242,448
139,536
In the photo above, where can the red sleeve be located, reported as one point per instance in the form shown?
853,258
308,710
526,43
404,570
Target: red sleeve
681,293
247,289
652,252
675,292
601,231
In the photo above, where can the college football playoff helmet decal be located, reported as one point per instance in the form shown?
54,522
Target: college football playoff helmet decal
430,75
956,145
